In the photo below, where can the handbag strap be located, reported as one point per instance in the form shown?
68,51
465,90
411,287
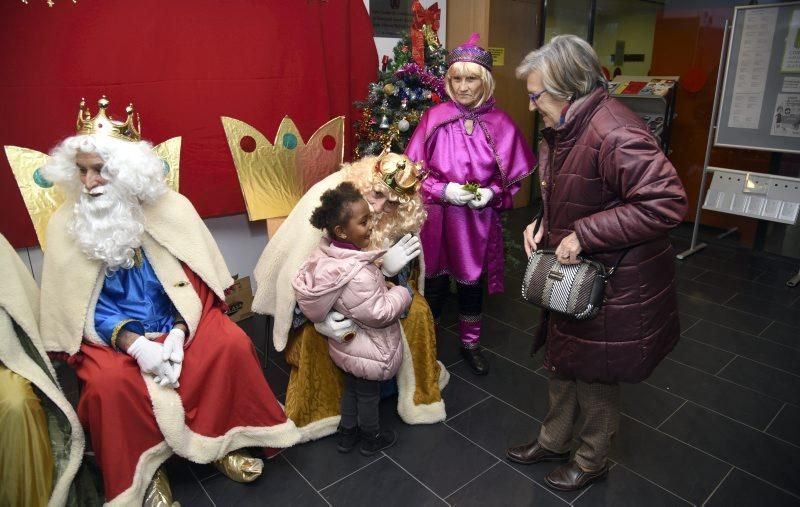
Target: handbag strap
538,218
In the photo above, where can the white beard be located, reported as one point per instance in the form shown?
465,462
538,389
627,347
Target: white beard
108,225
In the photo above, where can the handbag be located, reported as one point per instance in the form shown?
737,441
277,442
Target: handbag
574,290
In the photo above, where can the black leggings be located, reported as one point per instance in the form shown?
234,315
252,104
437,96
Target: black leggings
470,297
360,403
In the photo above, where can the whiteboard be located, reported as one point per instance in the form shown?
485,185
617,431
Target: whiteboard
762,74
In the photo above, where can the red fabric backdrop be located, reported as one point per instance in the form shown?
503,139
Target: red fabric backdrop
183,64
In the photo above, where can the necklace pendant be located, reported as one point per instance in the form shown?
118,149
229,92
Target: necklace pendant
469,126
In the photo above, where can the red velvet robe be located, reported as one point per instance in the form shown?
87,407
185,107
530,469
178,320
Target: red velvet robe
223,404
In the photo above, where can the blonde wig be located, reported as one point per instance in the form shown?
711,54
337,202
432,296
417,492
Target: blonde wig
470,69
407,217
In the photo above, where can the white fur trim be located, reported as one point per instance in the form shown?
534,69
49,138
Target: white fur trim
19,302
173,279
171,419
284,254
319,429
406,385
146,468
444,376
89,332
68,282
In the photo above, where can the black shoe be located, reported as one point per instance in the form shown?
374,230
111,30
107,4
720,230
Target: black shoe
570,477
374,443
348,438
531,453
477,363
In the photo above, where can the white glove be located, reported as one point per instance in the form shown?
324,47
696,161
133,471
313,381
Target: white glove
173,345
173,351
404,251
149,355
336,327
486,196
455,193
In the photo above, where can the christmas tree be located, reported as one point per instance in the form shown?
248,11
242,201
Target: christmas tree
407,86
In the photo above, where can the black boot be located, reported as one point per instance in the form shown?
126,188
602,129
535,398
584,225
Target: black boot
348,438
376,442
476,361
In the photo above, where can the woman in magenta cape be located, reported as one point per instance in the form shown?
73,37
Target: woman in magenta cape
467,141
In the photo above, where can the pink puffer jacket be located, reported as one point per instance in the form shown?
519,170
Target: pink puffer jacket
348,281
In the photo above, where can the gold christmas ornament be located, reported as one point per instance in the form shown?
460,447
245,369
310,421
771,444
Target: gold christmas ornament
389,89
273,177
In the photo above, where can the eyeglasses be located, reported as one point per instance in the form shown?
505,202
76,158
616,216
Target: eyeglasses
533,97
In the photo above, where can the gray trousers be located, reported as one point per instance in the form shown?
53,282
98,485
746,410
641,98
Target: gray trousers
598,404
360,401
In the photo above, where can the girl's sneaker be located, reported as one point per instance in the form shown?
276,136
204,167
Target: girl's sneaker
376,442
348,438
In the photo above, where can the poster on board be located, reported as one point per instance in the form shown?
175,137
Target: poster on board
786,120
791,53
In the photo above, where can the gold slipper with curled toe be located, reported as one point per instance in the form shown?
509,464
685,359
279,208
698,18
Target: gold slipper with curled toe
239,466
158,493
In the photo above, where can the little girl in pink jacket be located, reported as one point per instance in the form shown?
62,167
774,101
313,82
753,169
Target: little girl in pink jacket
339,276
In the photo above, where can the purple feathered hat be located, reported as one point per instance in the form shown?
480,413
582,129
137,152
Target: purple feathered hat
471,52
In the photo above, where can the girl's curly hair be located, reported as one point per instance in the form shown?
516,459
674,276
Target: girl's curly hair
334,209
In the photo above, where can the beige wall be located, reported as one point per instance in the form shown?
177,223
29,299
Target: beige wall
634,26
512,25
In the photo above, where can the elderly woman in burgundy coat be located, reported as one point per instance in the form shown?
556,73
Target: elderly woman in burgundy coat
607,190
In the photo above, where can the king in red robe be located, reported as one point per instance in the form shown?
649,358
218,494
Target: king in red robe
133,289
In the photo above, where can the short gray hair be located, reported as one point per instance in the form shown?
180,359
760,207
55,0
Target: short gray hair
568,65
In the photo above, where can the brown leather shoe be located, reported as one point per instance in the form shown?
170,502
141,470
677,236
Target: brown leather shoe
529,454
571,477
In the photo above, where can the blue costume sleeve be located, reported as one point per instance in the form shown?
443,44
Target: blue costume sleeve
133,299
109,320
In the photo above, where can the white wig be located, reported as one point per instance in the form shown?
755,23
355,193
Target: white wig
134,168
108,226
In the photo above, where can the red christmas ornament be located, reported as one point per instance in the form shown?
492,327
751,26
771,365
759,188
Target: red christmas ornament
435,98
693,79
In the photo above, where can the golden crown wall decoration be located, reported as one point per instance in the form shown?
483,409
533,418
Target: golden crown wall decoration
274,176
42,198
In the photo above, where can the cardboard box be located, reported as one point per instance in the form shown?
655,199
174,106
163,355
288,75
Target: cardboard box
239,298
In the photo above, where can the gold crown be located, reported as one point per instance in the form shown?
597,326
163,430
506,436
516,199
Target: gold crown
275,176
102,124
400,174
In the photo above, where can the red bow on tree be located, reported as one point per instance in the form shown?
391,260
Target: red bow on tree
422,17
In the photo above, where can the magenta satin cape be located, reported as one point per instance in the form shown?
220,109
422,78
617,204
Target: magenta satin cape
458,240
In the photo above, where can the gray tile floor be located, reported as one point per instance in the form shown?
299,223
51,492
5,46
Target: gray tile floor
717,424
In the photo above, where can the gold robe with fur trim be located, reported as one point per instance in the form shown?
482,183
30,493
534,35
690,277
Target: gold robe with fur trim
19,304
315,384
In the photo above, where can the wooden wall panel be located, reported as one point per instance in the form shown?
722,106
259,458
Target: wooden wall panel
683,43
